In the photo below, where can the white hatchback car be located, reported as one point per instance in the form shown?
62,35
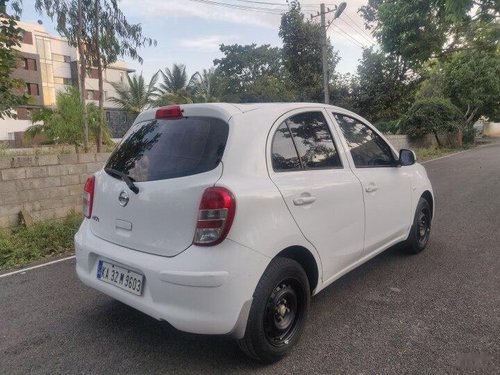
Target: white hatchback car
225,218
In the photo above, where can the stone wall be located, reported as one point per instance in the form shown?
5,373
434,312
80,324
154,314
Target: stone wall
44,186
403,141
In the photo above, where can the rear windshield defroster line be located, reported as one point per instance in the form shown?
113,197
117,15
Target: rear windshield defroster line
163,149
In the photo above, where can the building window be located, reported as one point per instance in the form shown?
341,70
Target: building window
61,58
108,116
90,95
29,64
27,37
32,89
62,81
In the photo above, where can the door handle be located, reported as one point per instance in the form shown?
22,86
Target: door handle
371,188
301,201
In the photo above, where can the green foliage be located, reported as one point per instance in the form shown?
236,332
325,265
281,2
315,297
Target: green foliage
136,96
430,153
434,115
176,87
204,86
432,85
63,124
384,91
43,239
251,73
388,127
411,30
11,90
472,81
302,56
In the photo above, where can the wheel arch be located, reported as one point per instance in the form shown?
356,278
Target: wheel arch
306,259
427,195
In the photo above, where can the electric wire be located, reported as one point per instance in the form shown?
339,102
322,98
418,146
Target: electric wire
356,32
239,7
359,27
356,42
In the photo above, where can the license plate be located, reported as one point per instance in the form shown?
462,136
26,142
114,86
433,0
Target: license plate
121,277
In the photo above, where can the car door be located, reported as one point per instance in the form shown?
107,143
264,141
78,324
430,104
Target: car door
386,186
325,198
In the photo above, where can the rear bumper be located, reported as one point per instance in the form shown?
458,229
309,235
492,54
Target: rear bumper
202,290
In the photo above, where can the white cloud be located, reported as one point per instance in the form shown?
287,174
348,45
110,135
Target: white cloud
209,43
177,9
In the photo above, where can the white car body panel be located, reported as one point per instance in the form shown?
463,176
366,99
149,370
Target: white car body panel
209,289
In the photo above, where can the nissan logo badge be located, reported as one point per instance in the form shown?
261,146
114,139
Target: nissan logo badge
123,198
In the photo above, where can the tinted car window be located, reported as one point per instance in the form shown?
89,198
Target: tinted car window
284,154
161,149
313,141
367,148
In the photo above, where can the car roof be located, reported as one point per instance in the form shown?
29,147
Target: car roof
228,110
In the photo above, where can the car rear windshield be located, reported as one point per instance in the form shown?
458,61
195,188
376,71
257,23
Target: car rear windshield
161,149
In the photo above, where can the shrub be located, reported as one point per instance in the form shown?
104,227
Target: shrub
433,115
388,127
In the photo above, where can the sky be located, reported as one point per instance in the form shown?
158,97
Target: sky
190,31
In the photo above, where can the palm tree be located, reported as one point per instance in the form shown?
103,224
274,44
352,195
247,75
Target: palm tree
204,86
176,87
137,96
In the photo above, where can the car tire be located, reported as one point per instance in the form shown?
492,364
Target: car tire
421,229
278,312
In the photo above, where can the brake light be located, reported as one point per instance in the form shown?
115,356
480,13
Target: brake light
215,216
170,111
88,196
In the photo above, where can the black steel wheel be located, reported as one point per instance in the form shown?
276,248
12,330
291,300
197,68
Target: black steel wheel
421,228
278,313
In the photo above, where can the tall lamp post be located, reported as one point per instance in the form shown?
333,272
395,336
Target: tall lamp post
324,48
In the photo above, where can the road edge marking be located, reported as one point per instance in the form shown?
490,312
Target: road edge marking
35,267
457,153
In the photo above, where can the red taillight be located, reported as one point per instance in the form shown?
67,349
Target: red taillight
170,111
215,216
88,196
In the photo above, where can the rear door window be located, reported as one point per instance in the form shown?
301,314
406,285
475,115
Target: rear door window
162,149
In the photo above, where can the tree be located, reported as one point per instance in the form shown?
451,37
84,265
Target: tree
434,115
176,87
251,73
410,31
11,90
101,33
110,35
63,124
472,80
302,53
384,91
204,86
136,96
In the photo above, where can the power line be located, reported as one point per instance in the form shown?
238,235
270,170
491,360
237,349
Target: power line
356,31
356,42
358,27
239,7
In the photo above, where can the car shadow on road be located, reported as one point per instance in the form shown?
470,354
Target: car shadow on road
156,346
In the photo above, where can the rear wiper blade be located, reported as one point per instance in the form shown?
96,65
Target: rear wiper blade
124,177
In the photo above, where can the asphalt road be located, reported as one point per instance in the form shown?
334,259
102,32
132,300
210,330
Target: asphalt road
437,312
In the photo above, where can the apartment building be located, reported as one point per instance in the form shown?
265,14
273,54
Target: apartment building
48,65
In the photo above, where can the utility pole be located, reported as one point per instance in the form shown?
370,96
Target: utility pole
324,47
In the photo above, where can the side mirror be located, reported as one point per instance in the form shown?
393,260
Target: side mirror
407,157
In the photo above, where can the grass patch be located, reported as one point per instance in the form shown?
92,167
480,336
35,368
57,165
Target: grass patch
43,239
424,154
